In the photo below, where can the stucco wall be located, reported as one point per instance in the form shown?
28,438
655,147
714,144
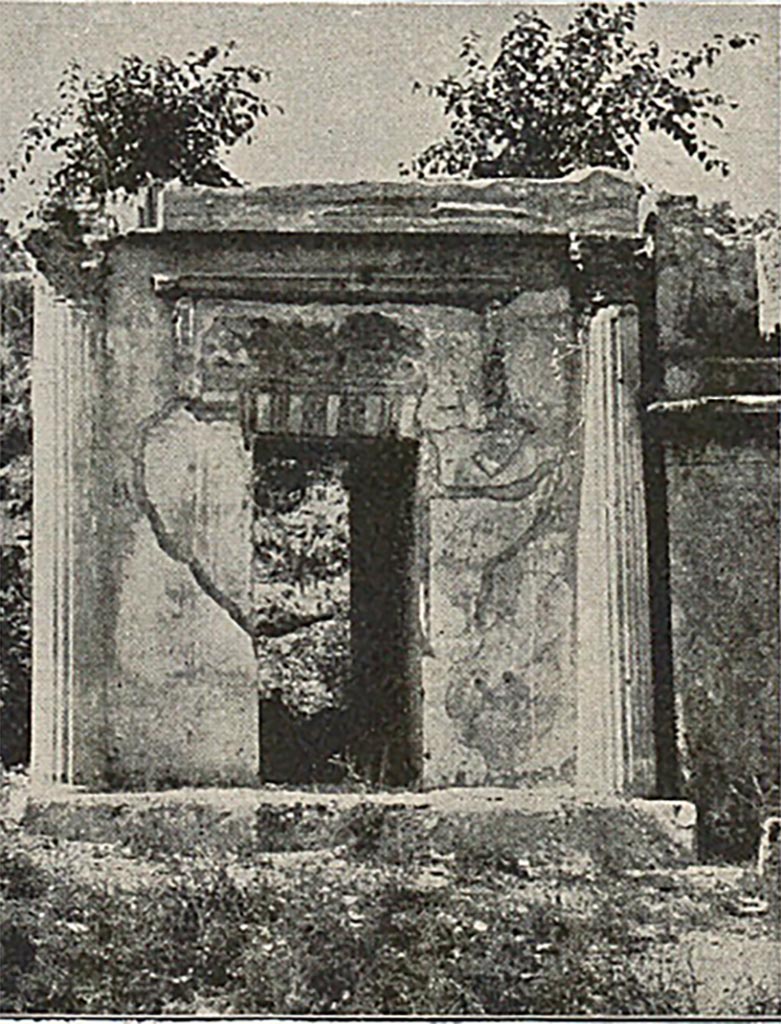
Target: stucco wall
180,694
500,686
497,499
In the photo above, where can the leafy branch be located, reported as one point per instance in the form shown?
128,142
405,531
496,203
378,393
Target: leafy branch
114,132
550,104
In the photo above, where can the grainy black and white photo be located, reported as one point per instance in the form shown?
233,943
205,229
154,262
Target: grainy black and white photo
390,502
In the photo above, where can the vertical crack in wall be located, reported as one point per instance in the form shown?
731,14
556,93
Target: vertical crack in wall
254,628
167,542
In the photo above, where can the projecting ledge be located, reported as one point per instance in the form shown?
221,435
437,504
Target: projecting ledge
737,404
473,291
734,404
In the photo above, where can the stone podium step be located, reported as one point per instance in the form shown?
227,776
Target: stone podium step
539,828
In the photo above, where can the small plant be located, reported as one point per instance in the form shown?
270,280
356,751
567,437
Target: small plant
314,939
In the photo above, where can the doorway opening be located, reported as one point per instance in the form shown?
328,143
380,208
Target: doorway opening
334,548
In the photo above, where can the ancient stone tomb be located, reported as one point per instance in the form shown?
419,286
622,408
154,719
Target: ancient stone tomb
338,484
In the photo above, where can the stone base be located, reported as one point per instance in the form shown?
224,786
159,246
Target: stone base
545,828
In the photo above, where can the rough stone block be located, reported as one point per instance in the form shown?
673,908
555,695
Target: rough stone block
678,819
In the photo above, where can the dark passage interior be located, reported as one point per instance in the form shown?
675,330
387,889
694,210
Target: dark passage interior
339,699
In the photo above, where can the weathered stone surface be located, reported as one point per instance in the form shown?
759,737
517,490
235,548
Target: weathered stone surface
545,827
706,292
718,397
501,609
537,328
453,361
614,670
769,851
182,704
724,500
198,478
768,250
594,202
319,344
501,556
677,818
67,733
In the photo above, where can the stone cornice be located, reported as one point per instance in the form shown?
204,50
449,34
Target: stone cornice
597,201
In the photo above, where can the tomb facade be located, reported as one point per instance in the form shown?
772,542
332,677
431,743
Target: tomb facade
342,483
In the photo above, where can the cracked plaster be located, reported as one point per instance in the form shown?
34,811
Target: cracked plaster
494,481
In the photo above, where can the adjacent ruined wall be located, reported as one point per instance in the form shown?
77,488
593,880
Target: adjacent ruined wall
724,499
719,434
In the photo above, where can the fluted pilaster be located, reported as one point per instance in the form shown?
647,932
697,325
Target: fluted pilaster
61,430
615,699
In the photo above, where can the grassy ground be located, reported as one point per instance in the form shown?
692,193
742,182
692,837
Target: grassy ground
398,912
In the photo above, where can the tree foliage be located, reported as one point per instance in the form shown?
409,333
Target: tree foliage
553,103
15,509
301,570
113,132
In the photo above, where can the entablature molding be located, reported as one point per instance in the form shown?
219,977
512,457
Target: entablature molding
472,291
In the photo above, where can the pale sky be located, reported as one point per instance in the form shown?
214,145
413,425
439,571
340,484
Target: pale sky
344,73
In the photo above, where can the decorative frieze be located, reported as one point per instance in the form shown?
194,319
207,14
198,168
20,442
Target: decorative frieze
301,411
356,375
